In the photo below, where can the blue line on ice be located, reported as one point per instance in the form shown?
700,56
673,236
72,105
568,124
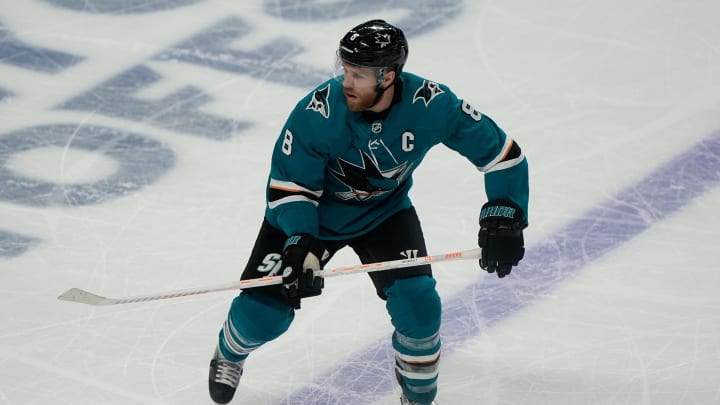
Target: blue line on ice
367,375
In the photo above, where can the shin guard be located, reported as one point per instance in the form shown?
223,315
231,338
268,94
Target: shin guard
415,308
253,320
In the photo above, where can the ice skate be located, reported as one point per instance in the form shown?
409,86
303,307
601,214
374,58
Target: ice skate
224,377
405,401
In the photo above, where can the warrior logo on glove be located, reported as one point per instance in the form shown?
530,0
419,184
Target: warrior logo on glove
501,236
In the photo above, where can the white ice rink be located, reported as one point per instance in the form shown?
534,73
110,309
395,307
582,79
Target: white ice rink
135,139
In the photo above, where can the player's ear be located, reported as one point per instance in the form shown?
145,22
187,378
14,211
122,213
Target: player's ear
388,78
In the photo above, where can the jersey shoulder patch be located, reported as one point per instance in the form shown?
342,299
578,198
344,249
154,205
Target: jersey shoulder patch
427,92
319,101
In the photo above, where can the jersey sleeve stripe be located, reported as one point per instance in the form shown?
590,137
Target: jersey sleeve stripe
272,204
509,156
507,163
293,188
283,192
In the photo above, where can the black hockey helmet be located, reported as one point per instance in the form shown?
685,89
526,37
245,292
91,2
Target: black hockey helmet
375,44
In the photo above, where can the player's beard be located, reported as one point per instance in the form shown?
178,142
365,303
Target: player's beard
360,100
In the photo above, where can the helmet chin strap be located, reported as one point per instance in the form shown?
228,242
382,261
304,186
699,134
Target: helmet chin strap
381,90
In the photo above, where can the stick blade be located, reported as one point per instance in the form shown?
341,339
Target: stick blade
82,297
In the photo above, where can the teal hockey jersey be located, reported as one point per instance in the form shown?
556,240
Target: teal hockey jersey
336,174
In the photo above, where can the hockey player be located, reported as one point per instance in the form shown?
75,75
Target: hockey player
340,175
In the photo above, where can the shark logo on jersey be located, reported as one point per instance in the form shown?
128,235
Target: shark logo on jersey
427,92
367,181
319,102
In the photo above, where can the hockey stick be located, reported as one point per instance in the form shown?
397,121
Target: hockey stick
85,297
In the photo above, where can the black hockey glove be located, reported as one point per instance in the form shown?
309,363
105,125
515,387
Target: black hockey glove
501,236
301,268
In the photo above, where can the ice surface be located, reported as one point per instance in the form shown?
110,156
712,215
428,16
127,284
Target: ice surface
134,147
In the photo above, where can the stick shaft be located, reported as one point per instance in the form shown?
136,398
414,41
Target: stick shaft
86,297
